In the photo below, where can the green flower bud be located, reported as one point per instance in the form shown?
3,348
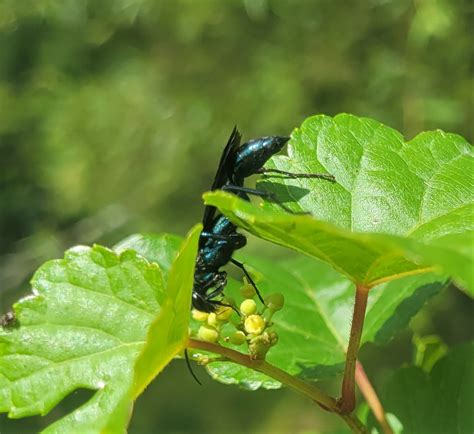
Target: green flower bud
273,337
258,350
224,313
254,324
247,291
208,334
238,338
199,316
212,320
203,360
275,301
248,307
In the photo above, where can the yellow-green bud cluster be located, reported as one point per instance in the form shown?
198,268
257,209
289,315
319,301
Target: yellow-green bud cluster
254,324
237,338
248,307
259,345
254,327
210,331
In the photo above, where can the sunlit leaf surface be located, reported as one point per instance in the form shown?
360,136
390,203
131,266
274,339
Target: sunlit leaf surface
397,208
84,327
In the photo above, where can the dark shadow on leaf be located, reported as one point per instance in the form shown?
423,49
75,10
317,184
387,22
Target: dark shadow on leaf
406,310
70,403
284,193
36,424
321,372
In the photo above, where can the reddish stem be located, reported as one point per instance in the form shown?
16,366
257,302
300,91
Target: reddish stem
372,399
347,402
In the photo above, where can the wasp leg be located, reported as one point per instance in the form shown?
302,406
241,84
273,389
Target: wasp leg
263,194
220,303
242,267
326,176
216,292
186,357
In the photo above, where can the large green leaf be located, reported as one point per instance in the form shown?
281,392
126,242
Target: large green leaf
85,326
438,402
397,208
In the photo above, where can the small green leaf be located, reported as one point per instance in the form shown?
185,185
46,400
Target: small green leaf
168,333
159,248
85,326
428,350
397,208
438,402
234,374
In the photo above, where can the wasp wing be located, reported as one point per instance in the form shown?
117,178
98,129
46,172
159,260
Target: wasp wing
221,177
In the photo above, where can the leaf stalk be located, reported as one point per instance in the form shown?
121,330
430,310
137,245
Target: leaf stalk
347,401
372,399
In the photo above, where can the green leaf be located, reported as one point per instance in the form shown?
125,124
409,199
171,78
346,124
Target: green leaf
168,334
397,208
314,324
159,248
438,402
238,375
85,326
428,350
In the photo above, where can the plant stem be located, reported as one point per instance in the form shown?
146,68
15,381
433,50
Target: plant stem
294,383
347,401
372,399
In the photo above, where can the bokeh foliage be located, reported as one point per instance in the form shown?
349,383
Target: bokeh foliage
113,113
128,103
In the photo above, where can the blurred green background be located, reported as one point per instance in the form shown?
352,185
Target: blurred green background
113,115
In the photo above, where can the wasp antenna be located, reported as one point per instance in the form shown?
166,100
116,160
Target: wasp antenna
186,357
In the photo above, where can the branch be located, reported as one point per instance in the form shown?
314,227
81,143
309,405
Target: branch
347,402
372,399
294,383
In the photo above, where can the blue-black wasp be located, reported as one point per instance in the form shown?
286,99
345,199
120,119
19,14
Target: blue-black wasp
219,238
